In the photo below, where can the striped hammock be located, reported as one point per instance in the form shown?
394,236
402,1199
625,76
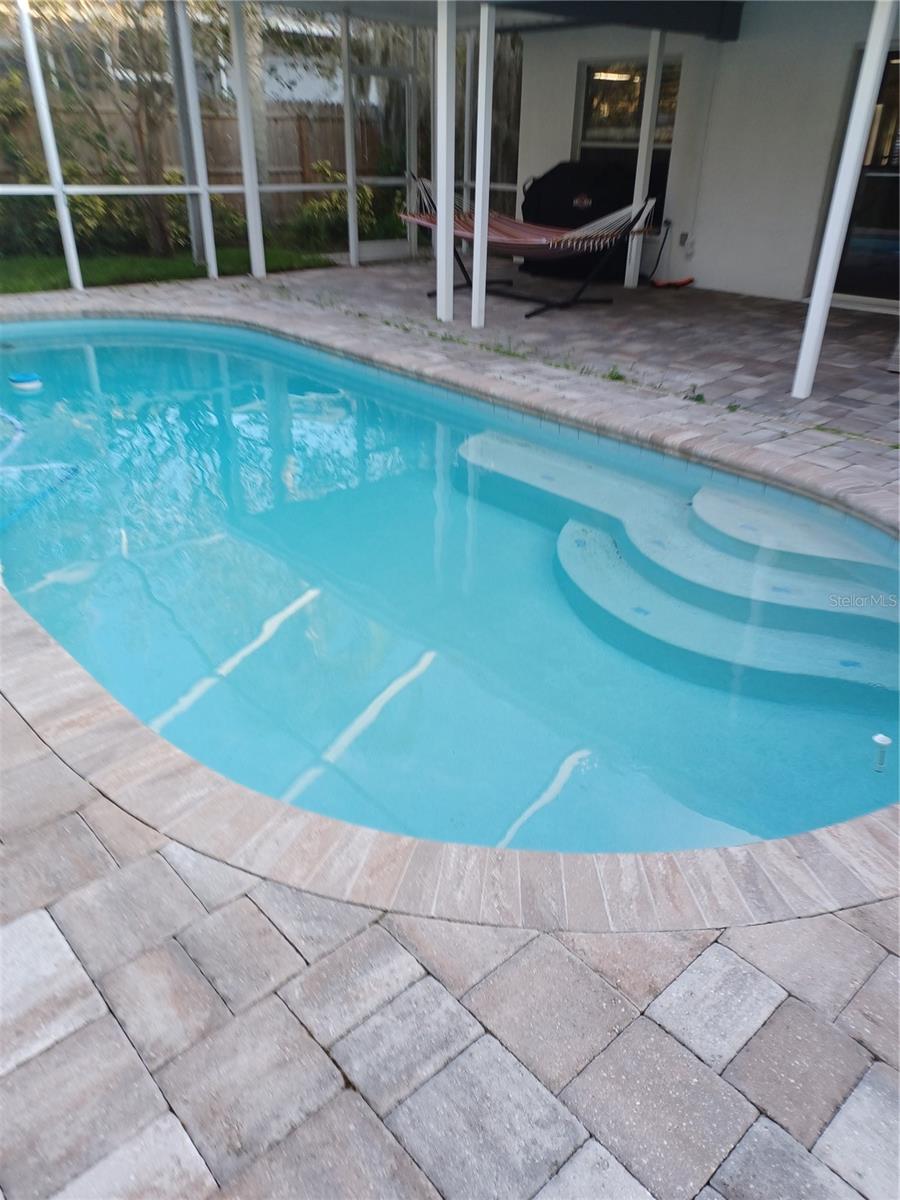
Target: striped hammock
511,237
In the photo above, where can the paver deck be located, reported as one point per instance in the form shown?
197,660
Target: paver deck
206,986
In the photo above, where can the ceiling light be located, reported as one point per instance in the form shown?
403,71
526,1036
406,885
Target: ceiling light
614,76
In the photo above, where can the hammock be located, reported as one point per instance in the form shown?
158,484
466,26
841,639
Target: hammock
509,237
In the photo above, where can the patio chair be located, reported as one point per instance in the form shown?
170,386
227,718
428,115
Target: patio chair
510,237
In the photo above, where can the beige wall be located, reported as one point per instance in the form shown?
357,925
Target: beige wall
754,140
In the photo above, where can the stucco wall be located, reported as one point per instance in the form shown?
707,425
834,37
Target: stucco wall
754,140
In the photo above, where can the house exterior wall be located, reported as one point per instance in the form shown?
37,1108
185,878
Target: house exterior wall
757,128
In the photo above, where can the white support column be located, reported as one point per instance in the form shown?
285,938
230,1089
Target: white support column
349,142
645,146
881,29
445,90
412,145
467,122
482,160
195,129
48,140
249,171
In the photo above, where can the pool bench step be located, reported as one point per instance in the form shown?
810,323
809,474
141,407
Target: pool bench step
609,592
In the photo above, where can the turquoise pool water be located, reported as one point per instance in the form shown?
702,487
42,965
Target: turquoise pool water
401,607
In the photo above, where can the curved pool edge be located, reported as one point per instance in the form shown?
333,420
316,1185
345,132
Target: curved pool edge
877,504
826,870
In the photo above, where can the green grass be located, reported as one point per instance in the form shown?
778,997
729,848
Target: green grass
33,273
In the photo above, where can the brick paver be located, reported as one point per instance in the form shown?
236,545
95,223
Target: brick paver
861,1142
405,1043
70,1106
540,991
45,992
116,918
667,1118
485,1127
367,1075
349,984
798,1069
163,1002
769,1163
593,1172
820,959
245,1087
241,953
640,965
871,1016
314,925
716,1005
214,883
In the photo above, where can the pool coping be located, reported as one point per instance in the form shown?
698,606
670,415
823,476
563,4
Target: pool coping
824,870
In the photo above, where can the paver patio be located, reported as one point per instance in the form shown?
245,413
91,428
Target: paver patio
268,1043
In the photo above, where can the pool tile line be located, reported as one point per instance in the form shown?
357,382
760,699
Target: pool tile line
847,864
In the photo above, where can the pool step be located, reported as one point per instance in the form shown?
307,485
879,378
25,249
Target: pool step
713,648
750,526
664,545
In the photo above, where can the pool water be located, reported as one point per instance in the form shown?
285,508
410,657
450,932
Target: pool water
385,602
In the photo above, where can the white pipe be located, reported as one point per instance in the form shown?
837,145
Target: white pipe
195,129
881,28
649,109
48,140
445,88
467,122
249,168
349,143
482,161
412,144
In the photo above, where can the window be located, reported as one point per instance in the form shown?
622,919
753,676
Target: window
608,122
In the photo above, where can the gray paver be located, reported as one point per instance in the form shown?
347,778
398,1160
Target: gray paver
458,955
214,883
45,992
163,1002
820,959
248,1084
124,837
640,965
405,1043
349,984
69,1107
161,1163
880,920
872,1015
716,1005
116,918
592,1172
550,1009
798,1069
861,1142
46,863
241,953
342,1152
485,1128
37,790
666,1117
315,925
769,1165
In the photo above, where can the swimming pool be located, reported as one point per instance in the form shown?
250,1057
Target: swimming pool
388,603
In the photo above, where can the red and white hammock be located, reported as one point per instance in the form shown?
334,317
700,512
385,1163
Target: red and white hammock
509,237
